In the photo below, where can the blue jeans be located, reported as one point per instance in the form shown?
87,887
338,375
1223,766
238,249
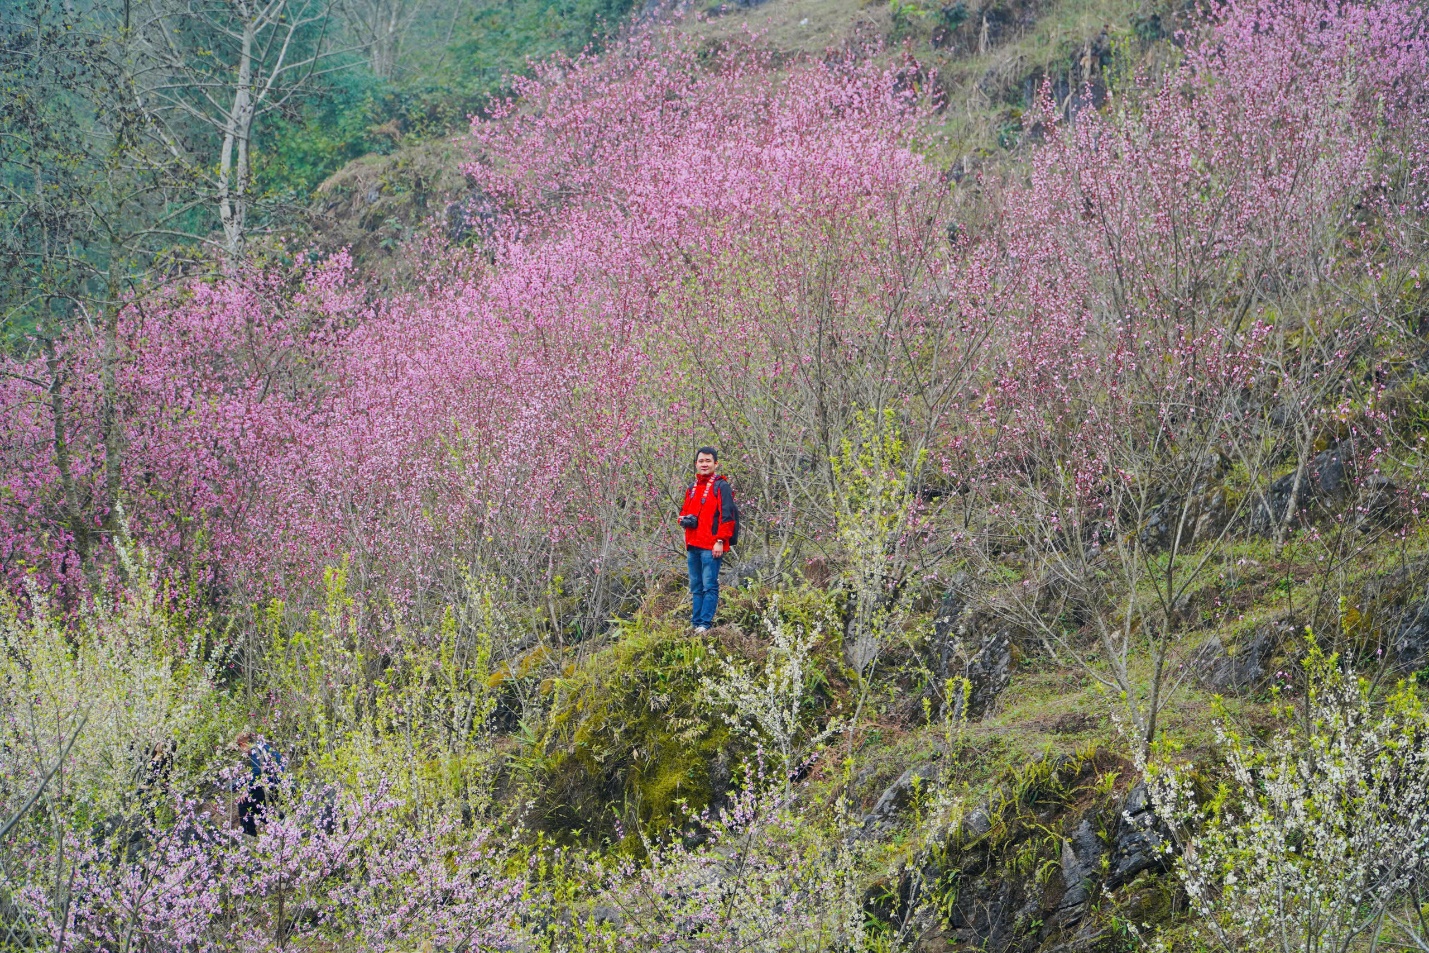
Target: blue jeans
704,586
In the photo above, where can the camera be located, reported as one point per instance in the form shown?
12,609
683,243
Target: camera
689,521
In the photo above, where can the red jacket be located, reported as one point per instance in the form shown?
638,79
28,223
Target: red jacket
710,503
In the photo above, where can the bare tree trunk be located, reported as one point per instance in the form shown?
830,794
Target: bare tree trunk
384,45
1154,704
233,164
109,424
74,511
381,26
1292,503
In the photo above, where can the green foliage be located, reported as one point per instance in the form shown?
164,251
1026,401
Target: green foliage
415,719
953,15
904,14
350,116
871,503
130,683
747,607
871,480
90,198
496,39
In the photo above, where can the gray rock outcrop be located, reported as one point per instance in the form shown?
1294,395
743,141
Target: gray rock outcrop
1244,668
1081,863
1411,633
1140,839
968,643
896,798
1326,480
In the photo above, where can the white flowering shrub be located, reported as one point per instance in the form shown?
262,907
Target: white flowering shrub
767,705
871,506
114,687
1317,840
771,870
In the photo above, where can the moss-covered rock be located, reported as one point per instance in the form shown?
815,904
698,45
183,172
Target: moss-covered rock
628,740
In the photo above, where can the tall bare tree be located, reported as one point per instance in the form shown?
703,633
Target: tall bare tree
210,70
381,27
90,194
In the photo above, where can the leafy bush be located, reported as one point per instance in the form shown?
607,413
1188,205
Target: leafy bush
118,778
107,695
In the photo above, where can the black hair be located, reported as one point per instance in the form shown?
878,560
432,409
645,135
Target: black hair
710,450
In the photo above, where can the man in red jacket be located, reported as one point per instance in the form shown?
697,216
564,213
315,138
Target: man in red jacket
708,517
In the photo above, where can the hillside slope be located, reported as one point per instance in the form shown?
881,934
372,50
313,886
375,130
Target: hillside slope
1082,587
988,61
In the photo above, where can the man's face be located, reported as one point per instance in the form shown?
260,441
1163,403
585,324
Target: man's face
704,464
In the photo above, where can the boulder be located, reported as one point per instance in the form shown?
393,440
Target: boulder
1411,633
953,615
1211,516
1140,840
1326,481
1199,512
1202,518
976,824
988,673
1081,859
970,644
754,569
896,798
1243,669
1380,503
457,227
1395,606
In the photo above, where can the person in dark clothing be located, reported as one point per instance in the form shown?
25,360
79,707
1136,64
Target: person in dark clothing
151,775
265,773
154,770
709,519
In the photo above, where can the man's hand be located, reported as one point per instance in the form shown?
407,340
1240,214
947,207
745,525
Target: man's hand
718,548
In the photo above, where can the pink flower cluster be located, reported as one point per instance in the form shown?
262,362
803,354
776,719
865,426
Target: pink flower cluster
322,868
504,408
678,247
1147,258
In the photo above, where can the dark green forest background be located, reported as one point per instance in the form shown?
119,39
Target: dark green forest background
453,60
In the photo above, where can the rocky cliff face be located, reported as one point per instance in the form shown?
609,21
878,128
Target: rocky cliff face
1054,859
373,206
